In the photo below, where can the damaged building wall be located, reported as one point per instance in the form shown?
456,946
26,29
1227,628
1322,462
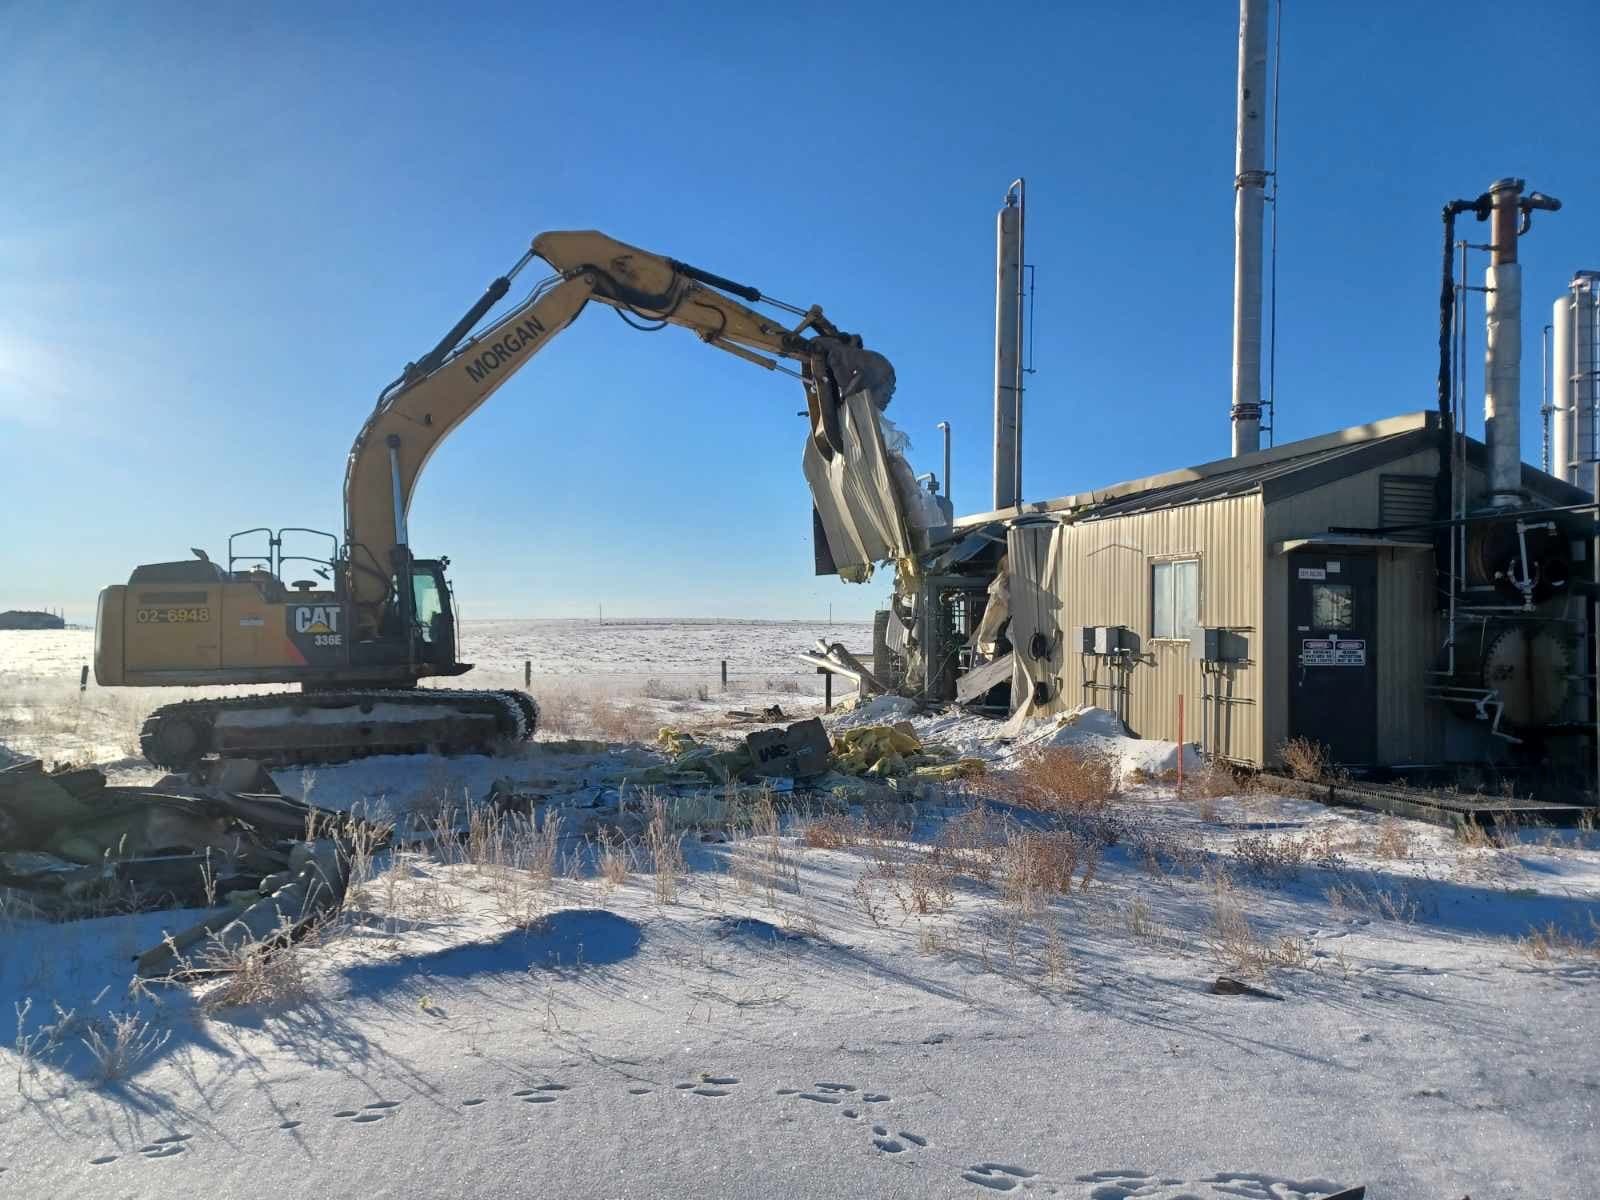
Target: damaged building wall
1100,573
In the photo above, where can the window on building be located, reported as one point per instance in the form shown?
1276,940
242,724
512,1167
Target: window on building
1333,606
1175,592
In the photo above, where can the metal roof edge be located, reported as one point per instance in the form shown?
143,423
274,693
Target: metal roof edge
1351,435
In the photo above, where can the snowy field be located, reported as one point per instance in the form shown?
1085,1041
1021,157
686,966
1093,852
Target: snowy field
1003,988
621,679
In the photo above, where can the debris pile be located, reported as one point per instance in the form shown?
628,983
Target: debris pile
890,751
890,754
71,845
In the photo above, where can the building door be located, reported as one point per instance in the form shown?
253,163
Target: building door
1333,662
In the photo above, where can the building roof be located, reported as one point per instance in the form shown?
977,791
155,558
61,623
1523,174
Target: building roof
1284,470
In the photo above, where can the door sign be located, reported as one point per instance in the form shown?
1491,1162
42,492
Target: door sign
1313,573
1333,652
1316,652
1350,652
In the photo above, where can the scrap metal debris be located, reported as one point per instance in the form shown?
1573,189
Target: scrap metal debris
891,754
71,845
836,660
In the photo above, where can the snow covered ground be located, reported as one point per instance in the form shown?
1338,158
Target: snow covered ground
903,1001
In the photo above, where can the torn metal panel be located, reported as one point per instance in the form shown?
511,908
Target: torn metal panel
978,682
1033,555
857,502
996,613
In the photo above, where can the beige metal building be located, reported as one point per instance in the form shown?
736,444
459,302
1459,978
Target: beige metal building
1222,587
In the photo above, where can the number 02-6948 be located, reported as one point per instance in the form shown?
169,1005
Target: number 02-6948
172,616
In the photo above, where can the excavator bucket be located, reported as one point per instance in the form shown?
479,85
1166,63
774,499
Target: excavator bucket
869,508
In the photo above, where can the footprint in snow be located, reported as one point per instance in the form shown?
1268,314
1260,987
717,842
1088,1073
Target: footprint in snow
999,1177
898,1143
102,1160
166,1147
1125,1183
472,1103
288,1124
709,1085
540,1094
368,1113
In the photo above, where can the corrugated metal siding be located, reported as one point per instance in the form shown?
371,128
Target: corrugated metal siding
1101,576
1408,723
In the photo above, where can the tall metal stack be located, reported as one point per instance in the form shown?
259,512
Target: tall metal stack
1502,355
1249,203
1008,365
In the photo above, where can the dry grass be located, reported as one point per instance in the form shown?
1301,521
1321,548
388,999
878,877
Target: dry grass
664,844
1238,948
1304,759
1273,856
1039,865
1063,779
269,973
833,831
1555,945
119,1042
758,860
1393,840
655,689
613,858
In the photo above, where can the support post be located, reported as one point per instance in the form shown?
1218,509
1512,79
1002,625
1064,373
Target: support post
1180,744
1594,627
83,679
527,672
724,674
827,691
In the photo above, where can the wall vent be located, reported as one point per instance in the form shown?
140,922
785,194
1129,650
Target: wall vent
1405,500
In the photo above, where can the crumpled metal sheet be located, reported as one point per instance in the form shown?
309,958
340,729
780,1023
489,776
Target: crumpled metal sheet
1033,557
855,494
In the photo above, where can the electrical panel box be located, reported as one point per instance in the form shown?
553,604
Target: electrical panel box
1107,639
1086,639
1216,645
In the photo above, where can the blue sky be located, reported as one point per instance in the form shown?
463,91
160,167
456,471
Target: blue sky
221,233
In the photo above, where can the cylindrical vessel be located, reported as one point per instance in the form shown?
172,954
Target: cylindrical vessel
1584,356
1563,447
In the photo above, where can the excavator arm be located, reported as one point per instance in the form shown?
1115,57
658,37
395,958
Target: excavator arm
435,394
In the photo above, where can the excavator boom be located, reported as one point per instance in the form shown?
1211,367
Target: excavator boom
421,408
386,620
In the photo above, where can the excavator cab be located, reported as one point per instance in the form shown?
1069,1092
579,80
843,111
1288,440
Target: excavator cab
433,617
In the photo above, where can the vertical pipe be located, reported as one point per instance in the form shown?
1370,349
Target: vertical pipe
1594,623
1249,191
1544,401
1585,366
1008,295
1502,356
1563,444
944,427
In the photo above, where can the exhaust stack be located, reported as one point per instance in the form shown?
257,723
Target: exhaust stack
1575,377
1249,199
1008,296
1510,216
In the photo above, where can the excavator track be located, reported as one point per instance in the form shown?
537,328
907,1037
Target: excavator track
286,728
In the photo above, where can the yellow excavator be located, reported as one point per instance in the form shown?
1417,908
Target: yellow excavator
380,620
